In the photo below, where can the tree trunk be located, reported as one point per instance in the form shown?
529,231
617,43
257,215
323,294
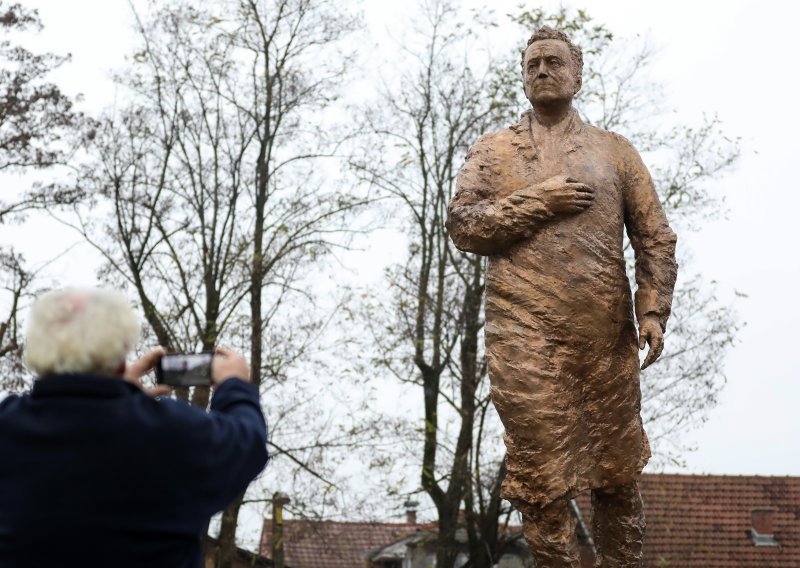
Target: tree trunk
446,546
226,549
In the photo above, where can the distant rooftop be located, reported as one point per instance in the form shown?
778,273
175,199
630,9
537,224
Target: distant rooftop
707,521
693,521
335,544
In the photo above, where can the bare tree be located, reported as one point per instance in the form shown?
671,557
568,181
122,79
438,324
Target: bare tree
433,336
16,280
210,199
35,116
38,130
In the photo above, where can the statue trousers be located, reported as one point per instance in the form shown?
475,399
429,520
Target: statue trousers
617,527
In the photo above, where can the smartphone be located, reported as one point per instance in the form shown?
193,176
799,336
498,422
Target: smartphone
184,369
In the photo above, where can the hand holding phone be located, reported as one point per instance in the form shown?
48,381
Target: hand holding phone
201,369
228,364
135,370
185,369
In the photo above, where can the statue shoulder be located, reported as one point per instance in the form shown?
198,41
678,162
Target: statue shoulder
628,157
494,141
619,140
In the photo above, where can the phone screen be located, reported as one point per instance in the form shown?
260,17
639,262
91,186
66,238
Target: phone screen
184,369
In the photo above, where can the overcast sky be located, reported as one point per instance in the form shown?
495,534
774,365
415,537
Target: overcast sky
711,61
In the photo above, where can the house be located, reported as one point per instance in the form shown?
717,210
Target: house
419,551
716,521
335,544
693,521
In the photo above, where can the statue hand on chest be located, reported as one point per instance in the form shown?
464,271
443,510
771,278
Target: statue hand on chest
560,195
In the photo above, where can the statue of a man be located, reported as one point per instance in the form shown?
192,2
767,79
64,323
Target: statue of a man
547,201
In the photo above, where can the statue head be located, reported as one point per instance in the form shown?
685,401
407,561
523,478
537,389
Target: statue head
551,67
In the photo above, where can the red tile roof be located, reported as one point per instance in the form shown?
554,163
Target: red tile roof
693,521
333,544
702,521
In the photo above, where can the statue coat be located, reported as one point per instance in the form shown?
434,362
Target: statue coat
561,342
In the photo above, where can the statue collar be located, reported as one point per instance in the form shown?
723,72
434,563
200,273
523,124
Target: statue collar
573,130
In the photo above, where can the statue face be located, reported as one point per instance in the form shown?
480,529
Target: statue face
548,73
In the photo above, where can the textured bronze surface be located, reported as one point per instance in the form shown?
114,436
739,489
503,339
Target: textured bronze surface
547,200
618,523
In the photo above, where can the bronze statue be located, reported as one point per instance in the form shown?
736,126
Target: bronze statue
547,201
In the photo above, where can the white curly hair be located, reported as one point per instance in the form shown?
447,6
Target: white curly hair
76,330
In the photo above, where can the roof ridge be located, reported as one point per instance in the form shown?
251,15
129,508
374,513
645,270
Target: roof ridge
370,523
720,475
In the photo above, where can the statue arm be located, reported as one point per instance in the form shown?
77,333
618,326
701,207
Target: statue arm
652,239
479,222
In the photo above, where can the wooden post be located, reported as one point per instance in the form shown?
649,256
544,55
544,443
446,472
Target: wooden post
278,501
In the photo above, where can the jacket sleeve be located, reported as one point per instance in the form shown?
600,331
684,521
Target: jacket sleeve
479,222
235,446
651,237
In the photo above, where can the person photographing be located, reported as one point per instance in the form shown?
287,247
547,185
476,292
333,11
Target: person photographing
96,470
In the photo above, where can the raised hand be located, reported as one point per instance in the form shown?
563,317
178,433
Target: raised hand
137,369
228,364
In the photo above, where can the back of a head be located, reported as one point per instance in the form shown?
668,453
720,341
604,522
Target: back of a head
76,330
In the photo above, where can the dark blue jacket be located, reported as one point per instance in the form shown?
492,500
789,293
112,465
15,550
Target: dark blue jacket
93,472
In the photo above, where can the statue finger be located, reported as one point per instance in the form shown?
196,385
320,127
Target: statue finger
658,346
578,206
646,363
651,356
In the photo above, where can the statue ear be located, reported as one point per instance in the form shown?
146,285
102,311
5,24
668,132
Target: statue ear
578,85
